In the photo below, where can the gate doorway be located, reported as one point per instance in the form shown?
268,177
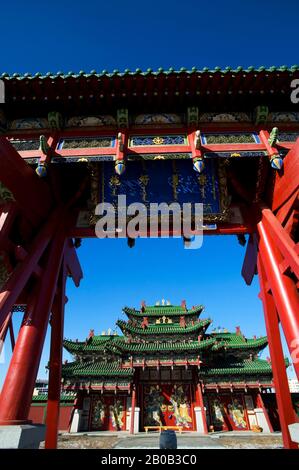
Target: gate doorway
55,171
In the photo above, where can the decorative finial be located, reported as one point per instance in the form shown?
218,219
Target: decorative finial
41,169
119,167
276,162
198,165
273,136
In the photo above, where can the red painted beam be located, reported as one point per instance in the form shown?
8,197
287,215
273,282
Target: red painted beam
57,322
287,182
31,193
8,212
225,229
21,253
282,240
12,289
73,263
16,396
283,288
283,396
285,210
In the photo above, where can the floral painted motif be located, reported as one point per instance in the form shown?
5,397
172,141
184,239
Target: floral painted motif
145,119
284,117
224,117
288,136
145,140
25,144
29,123
86,142
91,121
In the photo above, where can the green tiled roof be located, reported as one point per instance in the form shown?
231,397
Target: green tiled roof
63,397
97,343
116,344
162,329
256,366
98,369
165,346
160,310
232,340
159,71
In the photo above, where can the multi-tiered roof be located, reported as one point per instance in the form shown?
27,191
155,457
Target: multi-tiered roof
166,335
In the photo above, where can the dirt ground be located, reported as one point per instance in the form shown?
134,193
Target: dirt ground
152,441
258,442
85,442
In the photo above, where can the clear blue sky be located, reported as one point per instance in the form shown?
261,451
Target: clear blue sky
73,36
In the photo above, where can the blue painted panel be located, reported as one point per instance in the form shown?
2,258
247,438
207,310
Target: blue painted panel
163,181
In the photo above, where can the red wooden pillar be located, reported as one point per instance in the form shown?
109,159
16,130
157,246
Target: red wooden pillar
262,405
283,288
54,388
18,387
200,402
283,397
133,404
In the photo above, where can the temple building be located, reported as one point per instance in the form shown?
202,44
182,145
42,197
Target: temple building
166,370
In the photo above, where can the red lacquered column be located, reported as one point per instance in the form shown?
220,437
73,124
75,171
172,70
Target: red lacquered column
18,387
283,397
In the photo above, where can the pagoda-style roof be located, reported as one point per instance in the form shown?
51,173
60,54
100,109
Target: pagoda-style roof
116,344
138,72
43,397
237,341
134,347
163,329
98,343
160,310
184,87
248,366
95,369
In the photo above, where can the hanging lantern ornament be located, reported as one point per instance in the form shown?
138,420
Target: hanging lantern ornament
198,165
41,170
120,167
276,162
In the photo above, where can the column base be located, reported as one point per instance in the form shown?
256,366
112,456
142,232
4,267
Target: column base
24,436
294,432
261,420
199,420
